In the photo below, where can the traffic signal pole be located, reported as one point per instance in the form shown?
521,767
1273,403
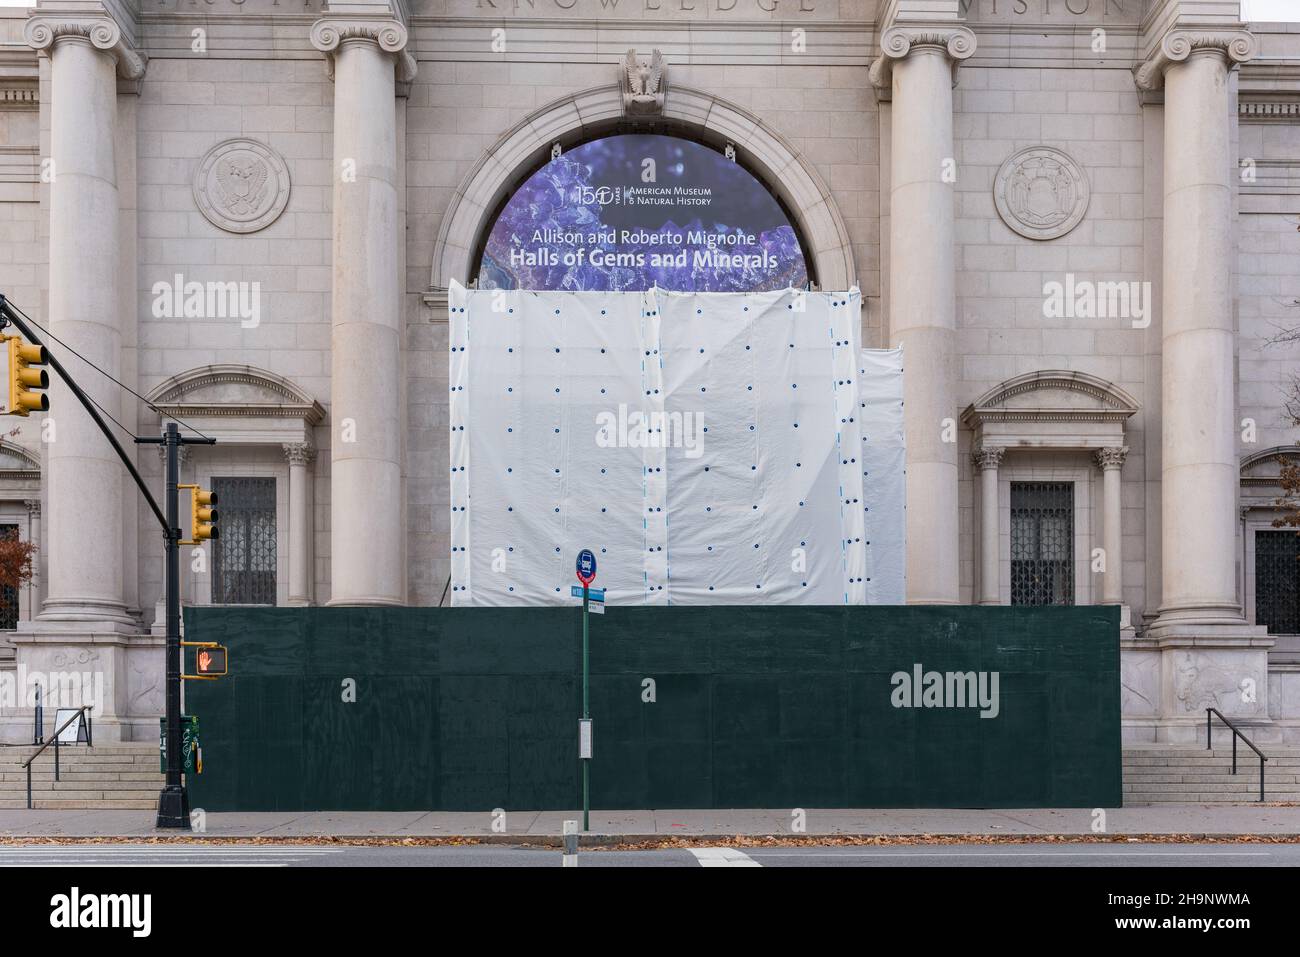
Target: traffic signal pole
173,801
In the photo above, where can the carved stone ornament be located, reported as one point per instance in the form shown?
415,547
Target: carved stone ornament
299,453
987,456
1237,46
1041,193
643,84
1111,457
241,185
102,32
329,33
898,41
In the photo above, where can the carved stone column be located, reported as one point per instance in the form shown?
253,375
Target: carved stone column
917,63
34,536
987,460
300,456
84,619
366,535
86,54
1209,655
1199,475
1111,461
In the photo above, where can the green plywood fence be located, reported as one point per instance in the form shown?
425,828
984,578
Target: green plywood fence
477,708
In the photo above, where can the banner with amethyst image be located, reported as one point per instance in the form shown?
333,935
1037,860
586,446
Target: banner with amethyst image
632,211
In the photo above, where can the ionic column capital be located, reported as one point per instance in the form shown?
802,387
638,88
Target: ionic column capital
102,32
390,35
1110,458
1176,46
957,43
299,453
987,456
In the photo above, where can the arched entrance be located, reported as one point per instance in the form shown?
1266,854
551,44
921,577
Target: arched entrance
690,113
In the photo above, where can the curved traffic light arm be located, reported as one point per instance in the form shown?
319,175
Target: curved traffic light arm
9,315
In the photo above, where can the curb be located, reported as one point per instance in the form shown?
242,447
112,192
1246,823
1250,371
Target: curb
659,841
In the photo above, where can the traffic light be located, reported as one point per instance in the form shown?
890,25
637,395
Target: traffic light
203,516
23,378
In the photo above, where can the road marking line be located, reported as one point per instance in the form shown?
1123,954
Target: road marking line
723,857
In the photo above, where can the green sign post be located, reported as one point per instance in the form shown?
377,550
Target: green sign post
586,569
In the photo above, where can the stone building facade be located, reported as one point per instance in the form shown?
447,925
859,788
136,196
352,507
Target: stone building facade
1079,217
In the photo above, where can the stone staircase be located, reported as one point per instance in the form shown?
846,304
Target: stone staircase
126,776
1185,774
121,776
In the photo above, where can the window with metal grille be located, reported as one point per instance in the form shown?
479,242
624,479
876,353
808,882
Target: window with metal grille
243,556
1277,581
1042,543
8,593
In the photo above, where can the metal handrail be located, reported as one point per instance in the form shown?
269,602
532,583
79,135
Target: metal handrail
54,740
1235,735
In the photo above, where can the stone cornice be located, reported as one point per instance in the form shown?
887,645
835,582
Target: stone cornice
43,31
1236,46
957,41
1264,111
14,94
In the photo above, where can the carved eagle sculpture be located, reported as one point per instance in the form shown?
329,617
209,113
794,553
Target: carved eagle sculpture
242,183
643,84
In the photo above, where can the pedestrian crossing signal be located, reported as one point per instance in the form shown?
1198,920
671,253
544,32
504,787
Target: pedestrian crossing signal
210,660
21,358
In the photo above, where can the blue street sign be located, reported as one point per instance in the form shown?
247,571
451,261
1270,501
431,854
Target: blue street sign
593,594
586,566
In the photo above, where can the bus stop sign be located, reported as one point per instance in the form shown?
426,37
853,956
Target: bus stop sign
586,566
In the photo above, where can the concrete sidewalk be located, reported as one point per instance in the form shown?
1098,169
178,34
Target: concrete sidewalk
1195,820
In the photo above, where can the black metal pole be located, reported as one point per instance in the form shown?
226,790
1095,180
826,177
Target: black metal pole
173,802
12,316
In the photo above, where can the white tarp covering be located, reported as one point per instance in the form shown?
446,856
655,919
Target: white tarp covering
709,448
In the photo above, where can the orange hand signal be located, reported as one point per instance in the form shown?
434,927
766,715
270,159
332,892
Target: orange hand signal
205,660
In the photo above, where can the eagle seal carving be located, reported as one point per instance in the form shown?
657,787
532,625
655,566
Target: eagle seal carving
241,186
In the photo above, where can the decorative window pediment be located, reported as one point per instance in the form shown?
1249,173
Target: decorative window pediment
1261,485
1052,409
18,463
1262,469
240,404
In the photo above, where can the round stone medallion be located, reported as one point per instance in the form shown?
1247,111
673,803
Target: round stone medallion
241,186
1041,193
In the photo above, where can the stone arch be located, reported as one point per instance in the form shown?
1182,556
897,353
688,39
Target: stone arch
1263,464
234,390
17,462
1059,391
599,111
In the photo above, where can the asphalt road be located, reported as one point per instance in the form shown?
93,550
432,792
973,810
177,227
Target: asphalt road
495,855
